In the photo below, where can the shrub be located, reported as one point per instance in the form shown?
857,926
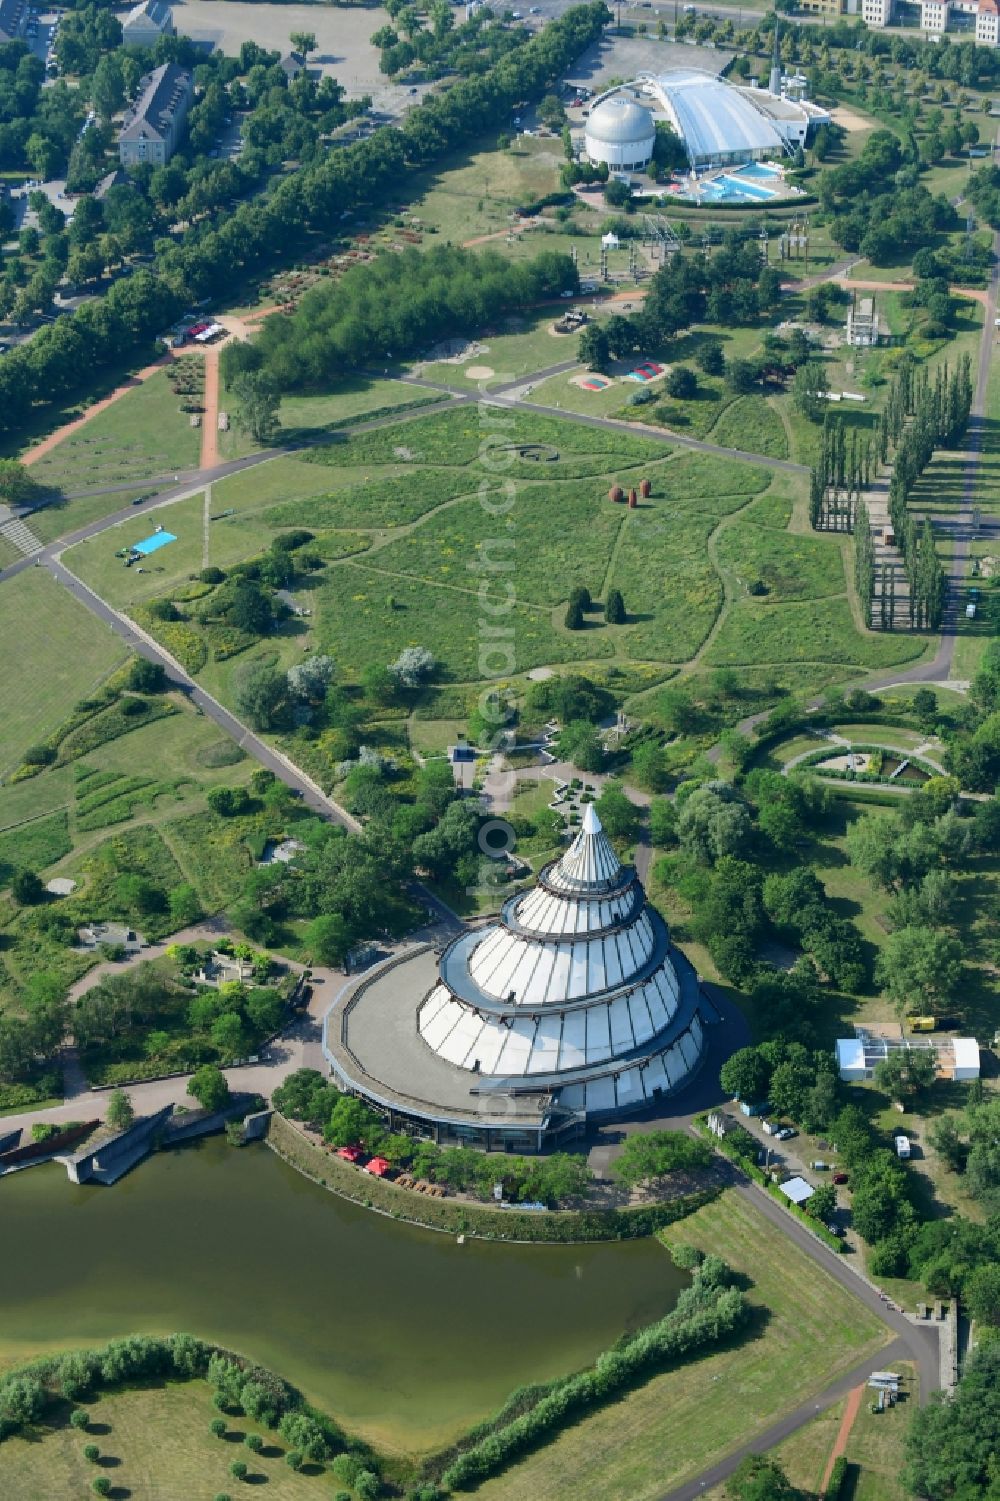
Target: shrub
293,1459
79,1418
91,1453
146,677
101,1486
39,755
837,1477
254,1442
218,1427
212,576
238,1469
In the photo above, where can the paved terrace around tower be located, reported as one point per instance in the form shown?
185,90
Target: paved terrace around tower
375,1047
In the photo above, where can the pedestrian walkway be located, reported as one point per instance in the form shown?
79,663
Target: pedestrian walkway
20,536
843,1434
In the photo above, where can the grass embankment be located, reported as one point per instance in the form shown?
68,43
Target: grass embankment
55,653
453,1216
808,1330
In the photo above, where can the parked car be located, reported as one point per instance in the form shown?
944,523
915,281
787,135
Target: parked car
840,1178
786,1133
818,1166
835,1229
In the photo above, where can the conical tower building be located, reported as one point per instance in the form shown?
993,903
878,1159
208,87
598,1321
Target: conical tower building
576,990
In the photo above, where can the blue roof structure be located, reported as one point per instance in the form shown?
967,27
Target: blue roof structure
153,543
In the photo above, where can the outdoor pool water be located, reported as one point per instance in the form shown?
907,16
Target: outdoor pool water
401,1333
756,182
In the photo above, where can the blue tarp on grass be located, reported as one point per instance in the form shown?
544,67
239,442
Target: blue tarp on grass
157,540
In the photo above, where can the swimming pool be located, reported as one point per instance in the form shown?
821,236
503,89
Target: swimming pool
756,182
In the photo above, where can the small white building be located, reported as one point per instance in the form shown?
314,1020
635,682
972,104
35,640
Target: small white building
965,1051
851,1060
798,1190
864,330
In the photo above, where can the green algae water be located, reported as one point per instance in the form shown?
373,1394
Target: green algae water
401,1334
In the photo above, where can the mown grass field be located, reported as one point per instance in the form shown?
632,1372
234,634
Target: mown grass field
54,654
158,1447
806,1330
142,435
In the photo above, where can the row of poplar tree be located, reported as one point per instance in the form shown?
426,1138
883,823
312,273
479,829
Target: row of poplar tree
920,415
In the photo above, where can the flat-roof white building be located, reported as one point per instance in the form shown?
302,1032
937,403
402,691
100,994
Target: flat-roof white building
858,1057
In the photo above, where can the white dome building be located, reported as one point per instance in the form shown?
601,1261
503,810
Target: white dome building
573,1006
620,133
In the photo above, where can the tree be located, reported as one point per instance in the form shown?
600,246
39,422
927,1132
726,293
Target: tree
184,904
594,351
258,693
919,967
925,707
257,403
310,679
617,813
951,1445
982,1295
209,1087
413,667
655,1155
713,822
147,677
250,608
303,41
614,608
238,1469
741,376
17,488
574,618
746,1075
217,1427
327,939
758,1478
710,358
810,384
682,383
823,1202
91,1453
943,1137
27,888
906,1072
121,1113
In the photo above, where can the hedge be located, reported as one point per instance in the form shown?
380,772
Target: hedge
33,1393
838,1475
459,1217
705,1313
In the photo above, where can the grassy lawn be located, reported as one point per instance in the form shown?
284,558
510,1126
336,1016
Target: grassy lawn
200,541
822,632
59,517
807,1330
43,678
307,417
142,435
158,1448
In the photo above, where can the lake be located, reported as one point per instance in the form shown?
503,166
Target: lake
401,1334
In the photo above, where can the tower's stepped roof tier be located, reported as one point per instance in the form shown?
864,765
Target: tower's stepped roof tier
576,985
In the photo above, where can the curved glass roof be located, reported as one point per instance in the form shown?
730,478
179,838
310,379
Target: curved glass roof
713,119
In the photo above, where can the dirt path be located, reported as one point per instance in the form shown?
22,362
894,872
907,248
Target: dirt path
843,1434
501,234
210,419
55,438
